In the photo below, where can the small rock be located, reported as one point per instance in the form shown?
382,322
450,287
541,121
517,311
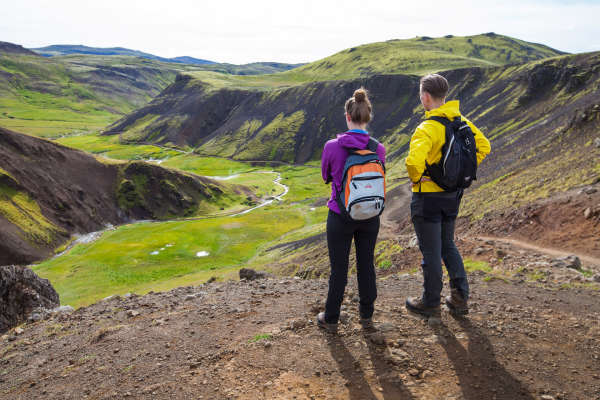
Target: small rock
413,242
571,261
434,322
19,331
590,190
344,317
500,253
547,397
63,310
36,317
480,250
413,372
132,313
597,278
387,327
377,338
597,142
297,324
587,213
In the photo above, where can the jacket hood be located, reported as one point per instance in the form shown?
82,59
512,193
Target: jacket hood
449,110
353,140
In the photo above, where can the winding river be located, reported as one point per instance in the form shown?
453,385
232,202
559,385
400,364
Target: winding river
93,236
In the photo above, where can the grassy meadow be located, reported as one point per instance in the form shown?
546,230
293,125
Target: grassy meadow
161,255
147,256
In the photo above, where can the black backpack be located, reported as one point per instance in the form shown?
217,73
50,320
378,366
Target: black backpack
457,168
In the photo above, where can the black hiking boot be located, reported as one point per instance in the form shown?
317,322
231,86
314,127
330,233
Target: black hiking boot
417,306
456,303
366,323
329,327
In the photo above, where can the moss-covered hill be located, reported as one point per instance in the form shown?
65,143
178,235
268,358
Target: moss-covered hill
48,192
407,56
52,97
83,93
422,55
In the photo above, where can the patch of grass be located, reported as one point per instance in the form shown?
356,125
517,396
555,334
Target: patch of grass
474,265
260,336
587,273
384,249
23,211
160,256
536,275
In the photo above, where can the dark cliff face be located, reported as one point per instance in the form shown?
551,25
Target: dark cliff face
526,108
245,124
48,192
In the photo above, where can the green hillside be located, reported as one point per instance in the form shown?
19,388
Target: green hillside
49,97
422,55
416,56
71,94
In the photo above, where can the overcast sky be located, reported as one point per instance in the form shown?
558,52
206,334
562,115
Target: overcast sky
280,30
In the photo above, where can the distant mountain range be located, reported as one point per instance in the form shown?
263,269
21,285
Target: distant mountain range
68,49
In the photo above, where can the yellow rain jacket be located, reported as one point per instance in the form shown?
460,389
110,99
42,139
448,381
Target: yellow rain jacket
426,146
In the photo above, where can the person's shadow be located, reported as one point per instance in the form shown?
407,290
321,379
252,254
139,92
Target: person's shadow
480,375
359,387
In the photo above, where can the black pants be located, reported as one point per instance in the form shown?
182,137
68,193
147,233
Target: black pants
339,238
433,216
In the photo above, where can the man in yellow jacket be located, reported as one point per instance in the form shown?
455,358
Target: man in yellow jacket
433,210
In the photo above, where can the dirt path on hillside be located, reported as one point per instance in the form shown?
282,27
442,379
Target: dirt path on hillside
396,208
544,250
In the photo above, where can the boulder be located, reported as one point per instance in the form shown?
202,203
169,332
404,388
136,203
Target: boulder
251,275
22,292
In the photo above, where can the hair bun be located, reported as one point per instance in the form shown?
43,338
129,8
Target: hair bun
360,95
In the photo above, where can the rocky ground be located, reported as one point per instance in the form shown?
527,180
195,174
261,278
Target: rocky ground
532,334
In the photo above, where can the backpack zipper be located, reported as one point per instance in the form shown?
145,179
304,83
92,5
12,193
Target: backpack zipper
365,199
448,153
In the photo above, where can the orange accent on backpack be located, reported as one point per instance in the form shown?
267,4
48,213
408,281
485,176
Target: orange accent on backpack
361,169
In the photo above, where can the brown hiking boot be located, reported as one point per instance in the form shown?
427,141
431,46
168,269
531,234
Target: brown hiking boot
329,327
417,306
456,303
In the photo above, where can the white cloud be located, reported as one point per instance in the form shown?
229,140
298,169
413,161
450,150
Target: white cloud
270,30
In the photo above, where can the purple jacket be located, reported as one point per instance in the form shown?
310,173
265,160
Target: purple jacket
334,158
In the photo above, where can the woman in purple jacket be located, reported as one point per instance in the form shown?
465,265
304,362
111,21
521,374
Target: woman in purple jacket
340,232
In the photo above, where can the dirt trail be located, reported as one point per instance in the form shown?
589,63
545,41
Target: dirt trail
544,250
397,206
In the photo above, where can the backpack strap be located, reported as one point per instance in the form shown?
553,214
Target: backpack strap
442,120
447,122
373,144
